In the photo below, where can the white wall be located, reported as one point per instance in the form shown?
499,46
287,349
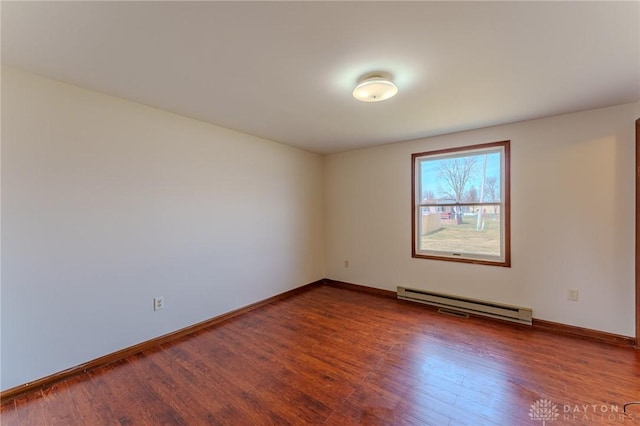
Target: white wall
107,203
572,215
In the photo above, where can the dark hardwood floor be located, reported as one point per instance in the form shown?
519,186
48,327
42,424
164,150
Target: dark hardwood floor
338,357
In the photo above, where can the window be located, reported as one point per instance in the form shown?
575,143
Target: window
461,204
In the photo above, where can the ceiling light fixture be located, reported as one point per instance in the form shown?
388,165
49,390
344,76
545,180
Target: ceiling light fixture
374,88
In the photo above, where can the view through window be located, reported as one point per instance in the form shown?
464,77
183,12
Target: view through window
461,204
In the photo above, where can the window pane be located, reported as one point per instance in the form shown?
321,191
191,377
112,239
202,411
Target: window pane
475,234
467,179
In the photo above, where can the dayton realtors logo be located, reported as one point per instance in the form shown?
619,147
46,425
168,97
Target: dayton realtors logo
546,411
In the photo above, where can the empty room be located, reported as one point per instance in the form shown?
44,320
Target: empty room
319,212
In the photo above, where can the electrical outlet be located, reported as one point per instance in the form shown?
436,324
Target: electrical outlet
346,263
573,294
158,303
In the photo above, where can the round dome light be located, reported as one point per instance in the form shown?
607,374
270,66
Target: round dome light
375,89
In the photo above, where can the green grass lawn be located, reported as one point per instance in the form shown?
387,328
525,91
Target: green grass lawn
464,238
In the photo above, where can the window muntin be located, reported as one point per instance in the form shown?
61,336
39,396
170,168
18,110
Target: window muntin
460,208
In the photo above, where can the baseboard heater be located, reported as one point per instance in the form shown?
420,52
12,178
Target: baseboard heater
473,306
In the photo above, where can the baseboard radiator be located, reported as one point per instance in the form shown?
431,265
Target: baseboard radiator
478,307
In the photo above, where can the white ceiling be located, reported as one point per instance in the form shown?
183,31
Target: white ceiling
285,70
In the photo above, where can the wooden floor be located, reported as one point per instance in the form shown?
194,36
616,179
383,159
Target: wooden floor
339,357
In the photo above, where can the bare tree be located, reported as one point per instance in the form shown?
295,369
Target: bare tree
472,195
457,173
491,190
